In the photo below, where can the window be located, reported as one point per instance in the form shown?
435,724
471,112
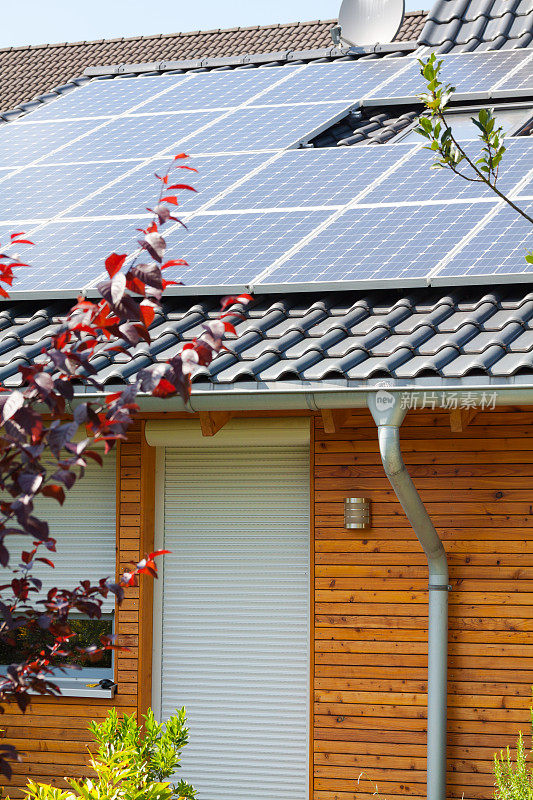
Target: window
85,529
512,120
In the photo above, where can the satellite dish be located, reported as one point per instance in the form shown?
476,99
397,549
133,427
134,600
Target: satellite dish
367,22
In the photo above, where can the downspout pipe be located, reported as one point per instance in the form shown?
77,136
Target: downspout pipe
388,416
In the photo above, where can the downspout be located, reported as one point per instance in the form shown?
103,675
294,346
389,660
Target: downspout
388,416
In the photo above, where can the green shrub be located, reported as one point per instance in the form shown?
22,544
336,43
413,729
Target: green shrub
133,762
514,778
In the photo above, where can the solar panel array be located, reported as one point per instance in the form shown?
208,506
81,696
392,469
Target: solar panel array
77,175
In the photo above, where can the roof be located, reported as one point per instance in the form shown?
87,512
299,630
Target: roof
464,25
352,336
29,71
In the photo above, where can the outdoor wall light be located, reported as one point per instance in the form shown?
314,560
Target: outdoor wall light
356,512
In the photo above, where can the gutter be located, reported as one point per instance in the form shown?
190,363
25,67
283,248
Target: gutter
316,395
388,420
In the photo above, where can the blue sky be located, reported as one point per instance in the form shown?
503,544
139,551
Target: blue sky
47,21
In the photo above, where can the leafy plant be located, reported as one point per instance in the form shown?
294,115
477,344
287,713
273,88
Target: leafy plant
133,762
449,153
153,746
514,778
40,454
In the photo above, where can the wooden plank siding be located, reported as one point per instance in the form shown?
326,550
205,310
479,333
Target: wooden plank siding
370,615
369,610
53,732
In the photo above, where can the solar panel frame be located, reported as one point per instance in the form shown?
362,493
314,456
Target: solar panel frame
474,75
74,250
497,249
368,237
41,192
104,98
33,142
346,81
229,249
218,90
419,182
242,131
134,138
322,177
132,195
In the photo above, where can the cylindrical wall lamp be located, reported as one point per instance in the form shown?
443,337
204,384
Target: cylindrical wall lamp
356,512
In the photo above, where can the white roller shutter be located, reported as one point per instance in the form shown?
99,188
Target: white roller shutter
235,627
85,529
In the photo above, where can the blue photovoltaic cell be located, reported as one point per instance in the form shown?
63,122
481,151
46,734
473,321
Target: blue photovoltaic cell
44,191
380,244
521,79
217,89
103,98
139,189
265,128
230,249
345,81
468,72
133,137
322,177
23,144
417,181
499,248
68,255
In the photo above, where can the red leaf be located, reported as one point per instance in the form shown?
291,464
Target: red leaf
175,262
180,155
46,561
172,199
164,389
3,292
21,241
113,263
185,166
181,186
228,327
163,178
55,491
147,313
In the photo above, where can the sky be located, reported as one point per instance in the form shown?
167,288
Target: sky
50,21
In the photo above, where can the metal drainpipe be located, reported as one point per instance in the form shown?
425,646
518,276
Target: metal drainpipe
388,416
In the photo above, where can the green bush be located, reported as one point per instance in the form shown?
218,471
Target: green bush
133,762
514,778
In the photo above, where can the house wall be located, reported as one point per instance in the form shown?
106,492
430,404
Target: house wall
370,610
371,604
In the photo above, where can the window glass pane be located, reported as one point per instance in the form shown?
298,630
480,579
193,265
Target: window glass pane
463,128
88,632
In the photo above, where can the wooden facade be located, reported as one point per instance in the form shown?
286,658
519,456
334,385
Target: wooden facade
369,610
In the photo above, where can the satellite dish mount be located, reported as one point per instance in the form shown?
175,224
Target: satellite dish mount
368,22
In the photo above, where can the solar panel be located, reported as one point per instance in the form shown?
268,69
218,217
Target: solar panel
217,89
417,181
470,73
133,138
266,128
497,249
22,144
138,189
520,82
102,98
41,192
229,249
322,177
345,81
69,255
378,244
